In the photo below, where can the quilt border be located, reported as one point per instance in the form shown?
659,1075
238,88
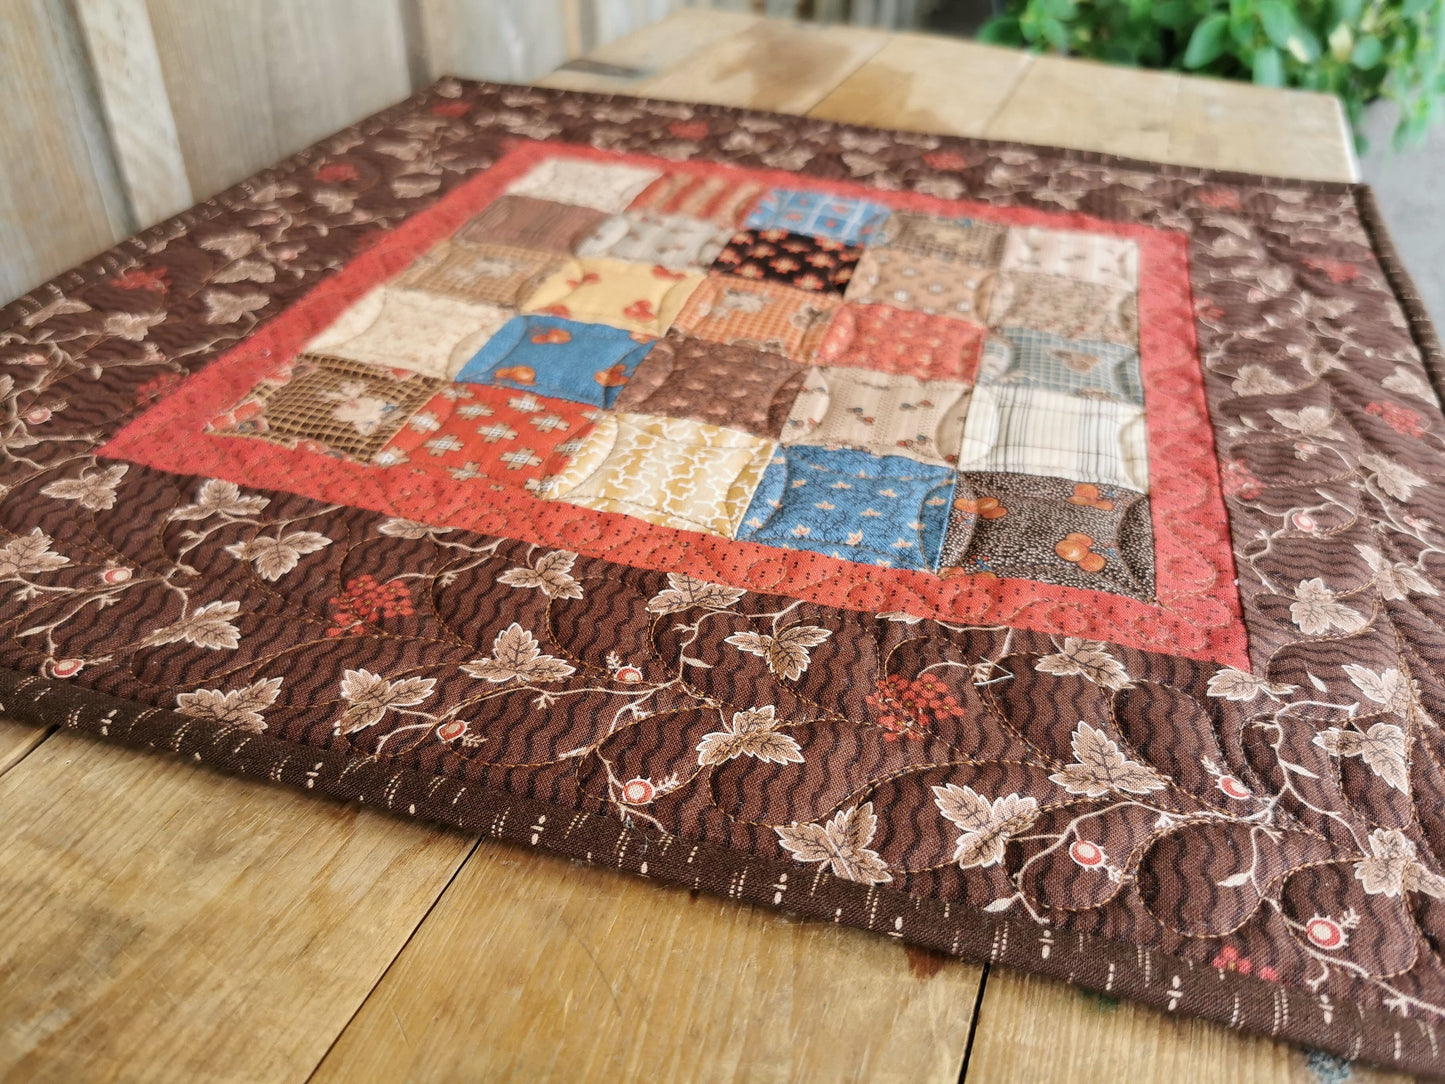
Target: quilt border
1157,979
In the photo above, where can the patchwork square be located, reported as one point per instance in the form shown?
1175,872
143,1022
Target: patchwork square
1018,430
1077,367
882,510
910,280
672,241
818,214
431,334
1087,257
764,315
1051,530
725,201
624,295
484,452
511,439
892,340
887,415
668,471
605,186
493,274
734,386
963,240
1068,308
329,405
584,363
816,264
525,222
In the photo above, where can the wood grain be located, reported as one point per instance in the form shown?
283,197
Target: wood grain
643,55
252,81
169,924
1231,125
60,201
1033,1030
132,93
1097,107
17,740
532,968
927,84
509,41
783,66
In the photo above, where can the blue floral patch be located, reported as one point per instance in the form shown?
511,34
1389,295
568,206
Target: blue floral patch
885,510
585,363
818,214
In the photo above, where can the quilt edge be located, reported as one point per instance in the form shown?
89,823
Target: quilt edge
1159,980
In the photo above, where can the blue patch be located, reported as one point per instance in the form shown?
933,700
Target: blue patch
884,510
584,363
819,214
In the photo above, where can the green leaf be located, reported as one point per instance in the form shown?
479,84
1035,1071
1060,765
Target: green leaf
1278,22
1173,14
1054,32
1417,7
1003,30
1303,45
1269,67
1207,42
1347,11
1367,53
1342,40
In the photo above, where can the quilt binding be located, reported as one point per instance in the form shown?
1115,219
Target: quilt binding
1098,964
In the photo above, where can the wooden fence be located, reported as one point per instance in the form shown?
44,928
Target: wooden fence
122,112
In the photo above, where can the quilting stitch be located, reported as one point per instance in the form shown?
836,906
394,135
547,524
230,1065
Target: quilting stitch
887,510
454,498
1184,726
549,355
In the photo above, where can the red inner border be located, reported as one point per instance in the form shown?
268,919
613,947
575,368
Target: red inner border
1196,612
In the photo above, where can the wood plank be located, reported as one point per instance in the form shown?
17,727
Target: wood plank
532,968
132,93
1033,1030
168,924
250,83
775,64
1231,125
17,740
613,19
509,41
60,200
927,84
643,54
1063,102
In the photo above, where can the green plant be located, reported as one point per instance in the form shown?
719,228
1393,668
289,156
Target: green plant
1358,49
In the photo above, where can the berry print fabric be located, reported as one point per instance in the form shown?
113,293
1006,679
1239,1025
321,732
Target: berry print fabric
1030,555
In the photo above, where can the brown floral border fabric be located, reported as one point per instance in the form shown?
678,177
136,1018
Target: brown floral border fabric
1261,848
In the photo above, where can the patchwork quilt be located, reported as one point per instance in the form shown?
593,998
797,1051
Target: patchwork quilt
1025,553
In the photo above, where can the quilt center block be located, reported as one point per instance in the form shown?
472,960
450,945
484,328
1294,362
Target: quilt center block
874,399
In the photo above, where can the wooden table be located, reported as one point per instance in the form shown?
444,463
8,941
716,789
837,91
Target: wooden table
164,923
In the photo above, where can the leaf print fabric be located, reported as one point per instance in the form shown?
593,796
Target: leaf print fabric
1171,720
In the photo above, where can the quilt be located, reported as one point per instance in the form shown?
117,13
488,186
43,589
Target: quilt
1028,554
